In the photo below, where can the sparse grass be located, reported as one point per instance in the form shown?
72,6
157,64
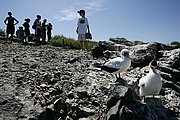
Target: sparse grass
62,41
2,32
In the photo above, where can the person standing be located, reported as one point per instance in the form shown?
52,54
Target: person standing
49,29
10,22
26,30
82,28
37,27
43,29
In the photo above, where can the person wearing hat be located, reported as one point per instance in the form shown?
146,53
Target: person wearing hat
26,29
49,29
10,22
43,29
37,27
82,28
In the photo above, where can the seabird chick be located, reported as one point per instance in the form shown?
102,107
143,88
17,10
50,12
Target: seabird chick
118,64
150,84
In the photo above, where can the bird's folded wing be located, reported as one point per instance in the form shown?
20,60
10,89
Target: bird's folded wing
114,63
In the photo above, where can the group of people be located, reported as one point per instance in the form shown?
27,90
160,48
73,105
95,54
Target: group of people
23,33
43,29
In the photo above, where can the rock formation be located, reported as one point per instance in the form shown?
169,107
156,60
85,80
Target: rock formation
51,83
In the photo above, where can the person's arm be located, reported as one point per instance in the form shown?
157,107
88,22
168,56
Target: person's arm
88,25
88,28
16,21
77,29
5,21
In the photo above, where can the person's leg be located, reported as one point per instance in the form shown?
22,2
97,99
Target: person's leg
7,37
7,33
81,44
38,36
43,37
80,40
28,38
86,45
83,47
48,37
25,38
12,31
84,41
11,37
38,40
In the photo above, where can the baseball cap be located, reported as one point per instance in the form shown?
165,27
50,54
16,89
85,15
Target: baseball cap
81,11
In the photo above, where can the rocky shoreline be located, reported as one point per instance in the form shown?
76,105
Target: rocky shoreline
51,83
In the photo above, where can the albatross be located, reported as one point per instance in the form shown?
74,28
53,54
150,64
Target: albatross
151,83
118,64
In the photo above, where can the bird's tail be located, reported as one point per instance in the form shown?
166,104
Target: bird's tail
98,65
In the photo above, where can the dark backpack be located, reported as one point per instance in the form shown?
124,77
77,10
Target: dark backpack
34,25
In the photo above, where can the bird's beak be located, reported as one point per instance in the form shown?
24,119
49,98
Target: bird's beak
153,68
127,55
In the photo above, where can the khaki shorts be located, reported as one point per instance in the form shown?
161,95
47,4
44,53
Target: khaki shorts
82,37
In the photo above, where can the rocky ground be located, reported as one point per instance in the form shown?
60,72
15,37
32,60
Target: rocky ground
51,83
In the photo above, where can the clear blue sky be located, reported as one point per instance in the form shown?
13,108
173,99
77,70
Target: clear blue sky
146,20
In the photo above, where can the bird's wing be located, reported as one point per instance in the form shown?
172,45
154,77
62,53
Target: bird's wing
114,63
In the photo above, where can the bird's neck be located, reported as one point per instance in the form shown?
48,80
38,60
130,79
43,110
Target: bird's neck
152,70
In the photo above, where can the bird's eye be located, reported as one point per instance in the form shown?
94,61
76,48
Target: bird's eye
125,53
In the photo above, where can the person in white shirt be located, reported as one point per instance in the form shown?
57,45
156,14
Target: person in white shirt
82,29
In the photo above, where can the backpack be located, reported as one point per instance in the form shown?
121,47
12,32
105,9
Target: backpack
34,25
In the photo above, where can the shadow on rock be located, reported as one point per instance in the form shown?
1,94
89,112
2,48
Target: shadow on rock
122,105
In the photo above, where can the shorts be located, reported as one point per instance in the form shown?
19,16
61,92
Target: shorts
10,29
82,37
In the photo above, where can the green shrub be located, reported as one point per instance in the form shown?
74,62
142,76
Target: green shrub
175,43
117,39
2,32
64,42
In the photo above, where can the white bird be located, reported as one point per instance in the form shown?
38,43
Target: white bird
118,64
150,84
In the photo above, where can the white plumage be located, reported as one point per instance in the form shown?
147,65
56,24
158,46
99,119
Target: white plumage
118,64
121,63
150,84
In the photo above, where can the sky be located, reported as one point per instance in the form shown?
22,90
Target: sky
145,20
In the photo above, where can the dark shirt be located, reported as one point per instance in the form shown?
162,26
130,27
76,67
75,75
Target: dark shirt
49,28
10,20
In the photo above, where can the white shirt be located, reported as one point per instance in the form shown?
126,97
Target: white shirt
82,25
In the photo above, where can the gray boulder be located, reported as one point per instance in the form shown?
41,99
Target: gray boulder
122,105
